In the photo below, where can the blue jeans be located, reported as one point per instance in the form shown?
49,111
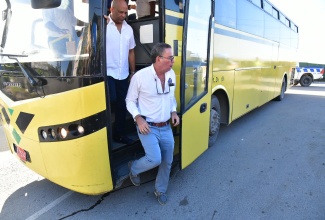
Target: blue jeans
159,150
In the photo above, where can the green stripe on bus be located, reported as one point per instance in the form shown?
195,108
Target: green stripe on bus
16,136
11,111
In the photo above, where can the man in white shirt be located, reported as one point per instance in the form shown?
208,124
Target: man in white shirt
119,59
60,26
151,101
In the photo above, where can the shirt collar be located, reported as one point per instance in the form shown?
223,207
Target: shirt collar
112,22
155,74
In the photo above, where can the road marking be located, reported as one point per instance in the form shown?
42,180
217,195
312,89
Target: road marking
50,206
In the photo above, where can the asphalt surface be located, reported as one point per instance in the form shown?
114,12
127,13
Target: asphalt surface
269,164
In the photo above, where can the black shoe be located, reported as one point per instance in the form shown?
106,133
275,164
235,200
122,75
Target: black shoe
123,139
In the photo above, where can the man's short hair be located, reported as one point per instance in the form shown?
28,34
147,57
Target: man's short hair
114,2
158,50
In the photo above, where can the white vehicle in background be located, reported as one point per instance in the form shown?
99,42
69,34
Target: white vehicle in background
306,75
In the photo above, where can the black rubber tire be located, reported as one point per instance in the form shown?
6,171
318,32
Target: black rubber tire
215,116
306,80
283,89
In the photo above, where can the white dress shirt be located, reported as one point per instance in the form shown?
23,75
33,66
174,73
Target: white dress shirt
143,97
118,46
61,18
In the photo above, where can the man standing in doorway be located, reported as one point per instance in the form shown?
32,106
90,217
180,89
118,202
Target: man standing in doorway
151,101
119,59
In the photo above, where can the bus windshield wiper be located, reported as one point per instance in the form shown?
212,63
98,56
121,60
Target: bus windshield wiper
27,73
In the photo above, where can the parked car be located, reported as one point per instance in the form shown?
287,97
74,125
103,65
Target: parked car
306,75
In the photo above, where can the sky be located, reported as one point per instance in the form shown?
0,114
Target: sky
309,16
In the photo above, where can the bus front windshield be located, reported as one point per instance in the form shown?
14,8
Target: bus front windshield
55,34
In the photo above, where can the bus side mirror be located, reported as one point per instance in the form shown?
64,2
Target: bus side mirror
44,4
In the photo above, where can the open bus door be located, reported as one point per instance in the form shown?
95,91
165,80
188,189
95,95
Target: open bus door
195,95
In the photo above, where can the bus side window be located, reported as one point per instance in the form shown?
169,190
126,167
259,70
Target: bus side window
175,5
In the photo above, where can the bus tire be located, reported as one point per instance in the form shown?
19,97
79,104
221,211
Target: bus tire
283,89
215,116
305,80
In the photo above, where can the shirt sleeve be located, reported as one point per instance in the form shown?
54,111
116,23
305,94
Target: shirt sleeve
132,41
132,97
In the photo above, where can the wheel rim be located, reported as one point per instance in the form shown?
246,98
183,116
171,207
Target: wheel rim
214,122
306,80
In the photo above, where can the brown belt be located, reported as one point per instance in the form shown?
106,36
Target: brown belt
159,124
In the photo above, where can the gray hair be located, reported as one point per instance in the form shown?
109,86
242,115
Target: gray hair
158,50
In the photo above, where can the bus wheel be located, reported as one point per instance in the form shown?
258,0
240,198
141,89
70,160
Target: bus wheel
215,114
283,89
306,81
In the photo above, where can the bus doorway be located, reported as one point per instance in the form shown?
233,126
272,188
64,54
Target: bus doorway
147,32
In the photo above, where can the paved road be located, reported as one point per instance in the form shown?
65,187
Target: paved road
269,164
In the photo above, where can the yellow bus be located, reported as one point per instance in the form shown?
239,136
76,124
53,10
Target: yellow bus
230,58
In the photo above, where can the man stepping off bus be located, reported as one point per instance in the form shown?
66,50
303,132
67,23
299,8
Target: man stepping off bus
151,101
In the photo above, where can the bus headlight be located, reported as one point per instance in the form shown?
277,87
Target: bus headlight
52,133
63,132
76,129
81,129
43,134
73,129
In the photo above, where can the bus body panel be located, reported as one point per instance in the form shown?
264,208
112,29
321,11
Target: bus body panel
65,162
32,147
250,66
195,134
174,32
81,165
174,38
267,76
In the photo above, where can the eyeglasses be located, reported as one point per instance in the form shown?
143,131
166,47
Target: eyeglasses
162,92
171,58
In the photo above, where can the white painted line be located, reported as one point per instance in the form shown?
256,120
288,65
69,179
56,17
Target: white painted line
50,206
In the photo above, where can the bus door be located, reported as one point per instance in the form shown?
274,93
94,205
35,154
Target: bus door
195,97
